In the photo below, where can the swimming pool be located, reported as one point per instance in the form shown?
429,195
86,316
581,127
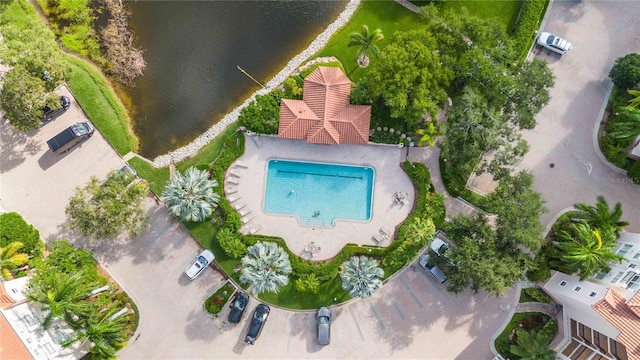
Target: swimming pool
318,193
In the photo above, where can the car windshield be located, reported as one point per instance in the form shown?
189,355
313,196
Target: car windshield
550,39
240,303
323,320
80,129
202,261
259,315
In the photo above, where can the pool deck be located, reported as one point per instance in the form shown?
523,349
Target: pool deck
245,186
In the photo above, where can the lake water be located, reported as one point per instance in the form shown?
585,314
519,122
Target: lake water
192,50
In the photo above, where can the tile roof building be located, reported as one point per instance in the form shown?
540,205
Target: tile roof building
601,315
324,115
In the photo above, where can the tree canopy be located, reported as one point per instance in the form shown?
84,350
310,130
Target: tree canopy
625,72
105,209
409,76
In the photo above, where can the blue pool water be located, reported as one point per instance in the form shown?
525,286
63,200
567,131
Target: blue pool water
317,193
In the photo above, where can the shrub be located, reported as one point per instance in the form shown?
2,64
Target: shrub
435,208
634,172
216,301
625,72
231,244
538,295
549,329
263,114
530,15
14,228
65,258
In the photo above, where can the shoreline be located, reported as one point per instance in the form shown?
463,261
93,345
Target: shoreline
316,45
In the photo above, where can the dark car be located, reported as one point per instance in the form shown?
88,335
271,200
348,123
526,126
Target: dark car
70,137
260,315
49,114
238,306
323,319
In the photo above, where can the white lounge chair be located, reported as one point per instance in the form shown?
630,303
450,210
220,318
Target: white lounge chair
231,172
244,211
230,189
241,164
247,219
233,180
239,204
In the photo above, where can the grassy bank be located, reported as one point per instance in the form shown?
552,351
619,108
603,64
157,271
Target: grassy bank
89,86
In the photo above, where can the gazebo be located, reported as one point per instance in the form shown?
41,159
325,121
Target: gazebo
324,115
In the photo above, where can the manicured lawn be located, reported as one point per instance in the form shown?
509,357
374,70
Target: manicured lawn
291,298
157,178
502,11
210,152
386,15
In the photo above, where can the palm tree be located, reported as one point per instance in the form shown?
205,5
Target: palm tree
421,229
635,102
106,331
60,294
361,276
429,134
585,250
266,267
600,216
626,125
365,40
10,258
532,346
190,196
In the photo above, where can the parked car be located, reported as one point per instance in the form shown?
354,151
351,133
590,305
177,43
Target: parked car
49,114
199,264
70,137
238,306
439,246
323,320
433,270
259,318
553,42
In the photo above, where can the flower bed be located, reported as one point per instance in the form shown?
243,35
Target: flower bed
216,302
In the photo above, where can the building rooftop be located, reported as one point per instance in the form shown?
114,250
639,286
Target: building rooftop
614,308
324,115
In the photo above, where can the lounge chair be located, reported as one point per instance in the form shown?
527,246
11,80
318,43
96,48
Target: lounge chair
254,229
378,237
233,198
231,172
233,180
247,219
386,232
230,189
239,204
241,164
244,211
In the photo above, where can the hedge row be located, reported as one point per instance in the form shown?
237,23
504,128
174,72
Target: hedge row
528,22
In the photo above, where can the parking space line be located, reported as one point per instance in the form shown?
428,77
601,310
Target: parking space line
413,294
375,314
394,303
353,316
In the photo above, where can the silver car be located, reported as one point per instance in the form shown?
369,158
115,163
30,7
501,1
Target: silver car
553,42
199,264
323,318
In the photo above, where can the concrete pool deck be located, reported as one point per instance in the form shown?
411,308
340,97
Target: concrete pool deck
248,183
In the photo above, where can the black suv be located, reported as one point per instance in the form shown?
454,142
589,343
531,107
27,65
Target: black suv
258,319
238,306
49,114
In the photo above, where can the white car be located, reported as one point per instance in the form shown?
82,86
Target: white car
199,264
553,42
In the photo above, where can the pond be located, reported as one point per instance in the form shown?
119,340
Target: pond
193,50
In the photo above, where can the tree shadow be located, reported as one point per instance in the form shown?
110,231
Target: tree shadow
16,146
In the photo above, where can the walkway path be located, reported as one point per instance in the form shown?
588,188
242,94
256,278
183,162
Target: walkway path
548,309
409,5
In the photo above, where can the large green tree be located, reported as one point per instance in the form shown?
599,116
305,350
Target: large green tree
365,41
600,216
361,276
23,96
625,72
585,250
266,267
106,209
518,208
191,196
409,76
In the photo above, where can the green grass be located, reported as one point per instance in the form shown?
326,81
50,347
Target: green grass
504,12
211,151
217,301
102,106
386,15
291,298
157,178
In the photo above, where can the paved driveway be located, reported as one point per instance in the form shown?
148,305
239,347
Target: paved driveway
601,32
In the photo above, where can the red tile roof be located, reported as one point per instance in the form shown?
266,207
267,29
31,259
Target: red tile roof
324,116
5,300
11,347
618,313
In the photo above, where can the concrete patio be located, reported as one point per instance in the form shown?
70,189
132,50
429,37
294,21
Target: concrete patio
245,186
